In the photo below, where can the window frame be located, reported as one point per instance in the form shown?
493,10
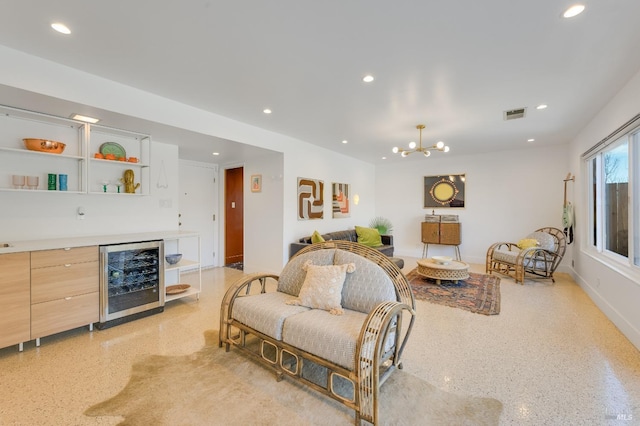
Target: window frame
592,163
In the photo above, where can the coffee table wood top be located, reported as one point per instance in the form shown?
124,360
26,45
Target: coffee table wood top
454,270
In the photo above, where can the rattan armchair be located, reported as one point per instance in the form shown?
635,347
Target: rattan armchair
540,261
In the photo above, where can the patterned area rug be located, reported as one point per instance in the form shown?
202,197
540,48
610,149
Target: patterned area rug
479,293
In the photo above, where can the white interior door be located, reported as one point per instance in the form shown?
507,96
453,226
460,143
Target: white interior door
198,207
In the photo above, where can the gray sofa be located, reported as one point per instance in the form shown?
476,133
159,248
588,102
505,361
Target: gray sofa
349,235
362,345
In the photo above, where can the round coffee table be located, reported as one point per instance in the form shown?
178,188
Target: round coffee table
454,270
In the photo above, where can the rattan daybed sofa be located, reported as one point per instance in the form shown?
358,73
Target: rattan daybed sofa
264,316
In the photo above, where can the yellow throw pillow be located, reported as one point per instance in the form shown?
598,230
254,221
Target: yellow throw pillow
368,236
527,243
322,287
316,237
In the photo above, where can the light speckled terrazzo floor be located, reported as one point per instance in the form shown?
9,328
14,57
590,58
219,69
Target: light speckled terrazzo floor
551,357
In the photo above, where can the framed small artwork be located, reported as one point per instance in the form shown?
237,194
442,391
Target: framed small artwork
256,183
310,199
340,203
444,191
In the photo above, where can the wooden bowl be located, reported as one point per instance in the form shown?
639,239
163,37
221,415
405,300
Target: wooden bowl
44,145
177,289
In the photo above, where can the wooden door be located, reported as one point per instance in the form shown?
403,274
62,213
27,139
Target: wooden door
450,233
234,216
431,232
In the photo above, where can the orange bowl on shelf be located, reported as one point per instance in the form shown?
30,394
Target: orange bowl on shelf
122,159
44,145
98,155
133,160
110,157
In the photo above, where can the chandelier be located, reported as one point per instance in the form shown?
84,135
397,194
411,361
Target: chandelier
440,146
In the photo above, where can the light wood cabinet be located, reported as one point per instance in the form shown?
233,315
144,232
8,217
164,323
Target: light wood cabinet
444,233
64,290
15,310
441,233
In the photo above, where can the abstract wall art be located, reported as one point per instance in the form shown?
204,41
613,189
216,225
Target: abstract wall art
340,200
310,199
444,191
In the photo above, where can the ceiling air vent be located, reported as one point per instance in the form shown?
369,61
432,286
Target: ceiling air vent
515,113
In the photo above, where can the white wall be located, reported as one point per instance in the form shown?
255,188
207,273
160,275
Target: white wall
329,167
28,216
263,215
508,195
300,158
616,291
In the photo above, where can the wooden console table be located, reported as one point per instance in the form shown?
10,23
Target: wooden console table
442,233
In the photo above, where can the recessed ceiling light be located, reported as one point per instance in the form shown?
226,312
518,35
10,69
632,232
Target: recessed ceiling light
384,158
61,28
345,141
541,106
530,140
266,111
85,118
574,10
367,78
215,153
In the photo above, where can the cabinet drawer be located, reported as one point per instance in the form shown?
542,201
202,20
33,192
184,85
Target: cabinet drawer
59,315
58,282
45,258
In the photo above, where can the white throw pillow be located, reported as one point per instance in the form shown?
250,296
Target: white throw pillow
322,287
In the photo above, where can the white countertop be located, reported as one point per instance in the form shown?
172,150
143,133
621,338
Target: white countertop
94,240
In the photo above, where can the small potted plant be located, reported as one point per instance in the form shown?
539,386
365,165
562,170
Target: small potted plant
382,224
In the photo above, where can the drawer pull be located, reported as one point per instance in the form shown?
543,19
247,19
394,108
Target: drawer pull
68,298
66,265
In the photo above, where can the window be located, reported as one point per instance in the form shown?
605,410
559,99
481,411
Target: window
613,169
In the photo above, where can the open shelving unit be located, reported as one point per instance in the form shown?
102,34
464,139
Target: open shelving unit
187,243
85,174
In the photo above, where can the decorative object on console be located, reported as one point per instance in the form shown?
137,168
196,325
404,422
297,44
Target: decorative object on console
444,191
128,180
310,199
440,146
340,202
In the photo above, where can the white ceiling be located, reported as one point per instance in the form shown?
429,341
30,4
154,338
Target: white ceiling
453,65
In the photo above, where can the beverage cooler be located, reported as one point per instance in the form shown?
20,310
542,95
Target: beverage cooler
131,281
